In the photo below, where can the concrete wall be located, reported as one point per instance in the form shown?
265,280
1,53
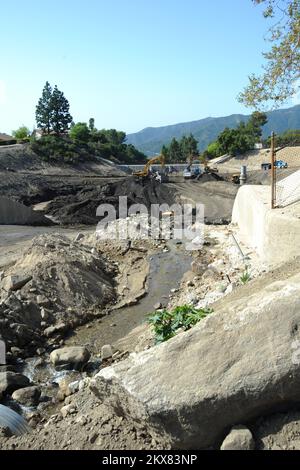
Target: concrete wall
14,213
274,234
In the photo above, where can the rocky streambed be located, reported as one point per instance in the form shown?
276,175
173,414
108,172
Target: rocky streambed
53,379
59,284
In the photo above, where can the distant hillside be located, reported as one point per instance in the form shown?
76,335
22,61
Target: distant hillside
151,139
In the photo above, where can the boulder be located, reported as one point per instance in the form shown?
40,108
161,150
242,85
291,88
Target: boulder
238,363
106,352
239,438
55,329
157,306
12,283
11,381
73,357
68,410
197,267
78,237
28,396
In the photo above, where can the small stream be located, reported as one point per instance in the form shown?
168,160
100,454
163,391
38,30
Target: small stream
166,271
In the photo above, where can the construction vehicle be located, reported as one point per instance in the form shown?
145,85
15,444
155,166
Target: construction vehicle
208,169
146,172
188,173
280,164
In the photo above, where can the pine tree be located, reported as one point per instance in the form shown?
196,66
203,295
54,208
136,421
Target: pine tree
92,124
43,110
60,115
174,151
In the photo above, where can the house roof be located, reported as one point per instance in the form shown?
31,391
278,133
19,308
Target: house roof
5,136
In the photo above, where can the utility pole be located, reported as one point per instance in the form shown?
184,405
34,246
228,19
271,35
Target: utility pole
273,174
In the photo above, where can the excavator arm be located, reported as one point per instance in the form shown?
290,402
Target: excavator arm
145,172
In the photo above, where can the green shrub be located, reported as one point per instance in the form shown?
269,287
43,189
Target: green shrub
165,323
59,149
22,133
245,277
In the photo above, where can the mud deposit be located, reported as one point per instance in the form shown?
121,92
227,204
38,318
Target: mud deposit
81,208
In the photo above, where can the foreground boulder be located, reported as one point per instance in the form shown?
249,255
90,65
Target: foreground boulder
11,381
11,283
73,357
240,362
28,396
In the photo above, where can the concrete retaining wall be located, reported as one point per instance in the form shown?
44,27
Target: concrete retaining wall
274,234
14,213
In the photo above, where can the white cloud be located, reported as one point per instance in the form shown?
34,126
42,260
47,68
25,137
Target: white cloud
2,92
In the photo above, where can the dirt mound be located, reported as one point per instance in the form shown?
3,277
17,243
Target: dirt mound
55,286
81,207
90,426
21,158
205,177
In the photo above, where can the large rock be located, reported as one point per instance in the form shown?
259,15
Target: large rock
240,362
239,438
11,381
70,357
11,283
28,396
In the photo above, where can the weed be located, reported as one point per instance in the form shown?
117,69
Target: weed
245,277
165,323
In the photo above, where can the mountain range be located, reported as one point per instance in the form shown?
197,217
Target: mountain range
151,139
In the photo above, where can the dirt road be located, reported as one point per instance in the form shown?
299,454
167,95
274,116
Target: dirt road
217,197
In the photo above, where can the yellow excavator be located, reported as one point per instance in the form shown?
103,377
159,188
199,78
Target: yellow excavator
208,169
146,170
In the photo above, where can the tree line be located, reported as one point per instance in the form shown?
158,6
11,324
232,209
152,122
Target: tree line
180,150
234,141
62,139
238,140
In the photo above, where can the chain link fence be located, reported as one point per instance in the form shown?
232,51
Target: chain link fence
285,168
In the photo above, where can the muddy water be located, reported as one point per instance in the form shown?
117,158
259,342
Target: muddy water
166,271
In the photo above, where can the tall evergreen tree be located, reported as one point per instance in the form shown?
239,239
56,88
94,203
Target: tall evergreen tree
188,146
174,151
43,111
165,152
92,124
60,115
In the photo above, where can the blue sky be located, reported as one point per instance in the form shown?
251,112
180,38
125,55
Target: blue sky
129,64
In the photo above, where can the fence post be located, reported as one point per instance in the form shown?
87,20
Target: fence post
273,174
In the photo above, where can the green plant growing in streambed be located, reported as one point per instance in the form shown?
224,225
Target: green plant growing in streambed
165,323
245,277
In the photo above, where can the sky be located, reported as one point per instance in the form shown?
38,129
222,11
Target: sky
130,64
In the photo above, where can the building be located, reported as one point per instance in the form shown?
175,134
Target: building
6,138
